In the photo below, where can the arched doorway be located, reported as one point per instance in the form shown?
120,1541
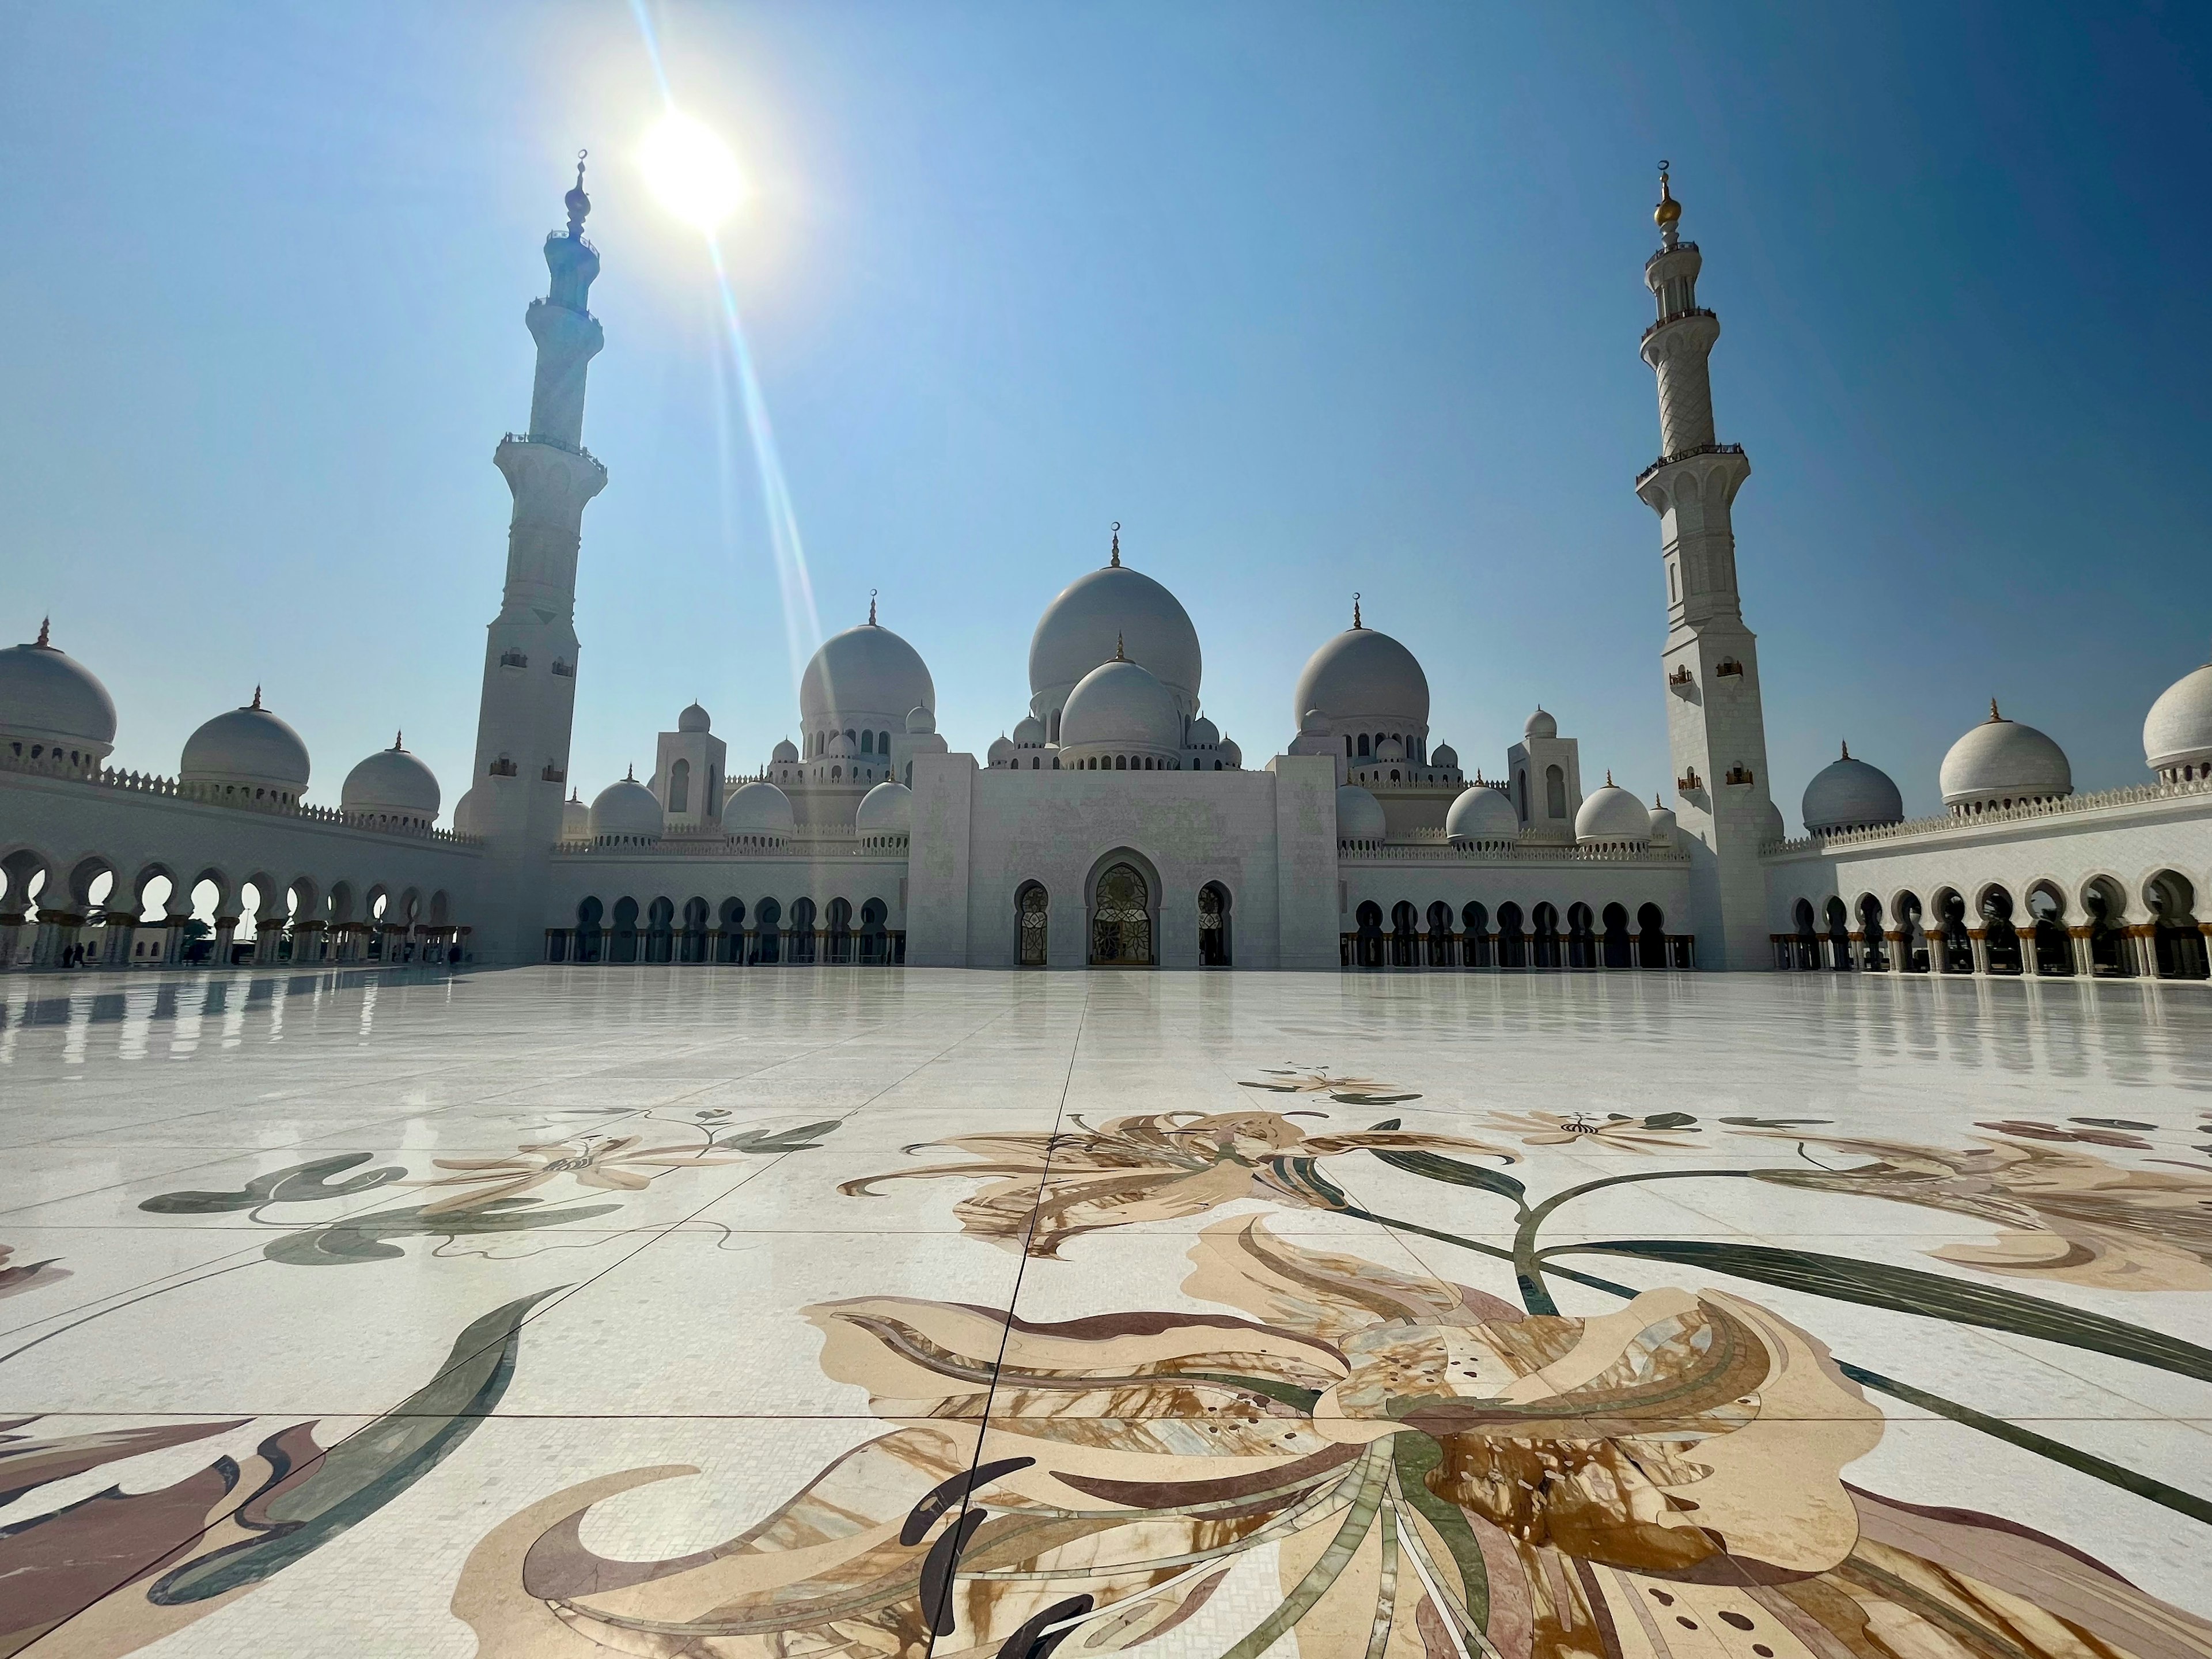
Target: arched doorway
1582,937
875,942
693,945
624,942
767,932
1839,936
1805,942
2000,942
2054,951
1544,923
1651,935
802,930
1405,935
1032,918
1367,948
2172,900
840,922
1121,919
1440,935
731,947
591,940
1617,952
1474,932
661,930
1512,942
1958,948
2106,908
1213,925
1873,956
1906,908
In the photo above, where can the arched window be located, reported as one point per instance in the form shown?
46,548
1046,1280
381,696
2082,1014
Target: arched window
679,786
1347,744
1364,749
883,743
867,742
1520,798
1055,725
1121,762
1121,919
1031,908
851,737
1213,925
1555,791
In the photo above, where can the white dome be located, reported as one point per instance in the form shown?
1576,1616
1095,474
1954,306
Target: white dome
575,817
840,747
1481,814
1390,750
784,754
694,719
1110,610
759,809
1204,733
1358,815
1000,751
1231,756
2001,760
1120,705
1361,675
48,696
920,722
465,816
625,812
2177,731
1665,828
1771,828
1029,732
1849,794
393,783
248,747
867,670
1540,725
886,810
1445,756
1313,723
1611,816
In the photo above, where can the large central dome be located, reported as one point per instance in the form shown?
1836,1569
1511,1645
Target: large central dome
868,671
1115,609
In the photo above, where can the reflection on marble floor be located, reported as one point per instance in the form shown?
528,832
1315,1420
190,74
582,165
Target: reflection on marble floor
681,1313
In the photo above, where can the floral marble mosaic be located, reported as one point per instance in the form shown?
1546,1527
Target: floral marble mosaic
568,1313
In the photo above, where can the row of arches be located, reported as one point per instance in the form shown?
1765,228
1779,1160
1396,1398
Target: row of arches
93,912
767,934
1540,937
2096,933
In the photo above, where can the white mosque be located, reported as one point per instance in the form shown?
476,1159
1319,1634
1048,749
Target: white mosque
1116,826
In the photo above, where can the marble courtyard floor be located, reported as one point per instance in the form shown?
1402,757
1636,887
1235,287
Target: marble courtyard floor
691,1312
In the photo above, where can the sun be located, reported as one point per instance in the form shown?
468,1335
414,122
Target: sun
692,171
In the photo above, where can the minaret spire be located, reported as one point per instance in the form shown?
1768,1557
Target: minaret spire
1709,664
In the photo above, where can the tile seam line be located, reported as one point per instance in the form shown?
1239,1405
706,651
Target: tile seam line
1013,1300
560,1296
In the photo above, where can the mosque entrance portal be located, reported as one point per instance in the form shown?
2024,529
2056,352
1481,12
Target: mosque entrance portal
1122,919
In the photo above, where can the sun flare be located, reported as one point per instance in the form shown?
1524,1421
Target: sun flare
692,171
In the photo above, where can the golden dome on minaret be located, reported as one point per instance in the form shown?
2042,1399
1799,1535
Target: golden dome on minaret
1668,209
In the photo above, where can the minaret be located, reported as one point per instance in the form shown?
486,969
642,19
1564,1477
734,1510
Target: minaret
1714,723
529,657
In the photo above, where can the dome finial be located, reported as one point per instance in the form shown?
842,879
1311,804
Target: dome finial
1356,622
256,703
872,609
1609,777
1668,213
1847,748
1994,715
630,776
1115,562
397,740
578,203
46,628
1119,653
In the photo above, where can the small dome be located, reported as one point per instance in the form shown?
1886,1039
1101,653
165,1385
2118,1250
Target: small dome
1029,732
1204,733
694,719
1000,753
1611,816
1445,756
625,812
1771,828
886,810
1314,723
920,722
49,696
1665,829
1481,815
1230,755
786,754
1363,675
390,782
759,809
465,816
1390,750
867,670
2177,731
2002,761
1849,794
841,746
1120,704
1106,608
248,747
1359,815
575,817
1540,725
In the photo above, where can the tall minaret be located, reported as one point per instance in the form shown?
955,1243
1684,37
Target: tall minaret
529,657
1714,724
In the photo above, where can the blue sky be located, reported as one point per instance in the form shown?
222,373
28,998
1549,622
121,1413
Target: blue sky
1310,299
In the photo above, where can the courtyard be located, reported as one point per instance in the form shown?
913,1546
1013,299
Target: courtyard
588,1311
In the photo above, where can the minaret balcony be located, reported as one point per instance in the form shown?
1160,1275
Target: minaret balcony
1680,455
1673,317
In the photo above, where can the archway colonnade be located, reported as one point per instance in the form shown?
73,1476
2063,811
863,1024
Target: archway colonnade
93,911
2104,928
768,932
1539,938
